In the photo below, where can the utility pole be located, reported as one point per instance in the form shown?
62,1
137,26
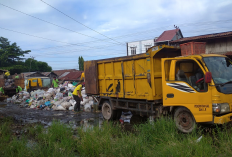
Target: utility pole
32,58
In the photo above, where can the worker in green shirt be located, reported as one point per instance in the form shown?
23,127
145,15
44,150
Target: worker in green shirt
2,90
18,89
16,76
55,82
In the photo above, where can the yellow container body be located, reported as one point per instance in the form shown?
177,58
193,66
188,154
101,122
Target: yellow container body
132,77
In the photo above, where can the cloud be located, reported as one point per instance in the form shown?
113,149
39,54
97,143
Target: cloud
122,20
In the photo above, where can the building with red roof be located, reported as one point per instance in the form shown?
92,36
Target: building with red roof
142,46
167,36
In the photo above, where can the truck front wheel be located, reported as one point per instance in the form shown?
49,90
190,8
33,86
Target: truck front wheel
107,111
184,120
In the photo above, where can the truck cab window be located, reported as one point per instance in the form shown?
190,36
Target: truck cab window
189,71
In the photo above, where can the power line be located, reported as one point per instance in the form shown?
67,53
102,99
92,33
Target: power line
48,22
33,35
79,22
77,50
41,37
139,33
132,34
47,38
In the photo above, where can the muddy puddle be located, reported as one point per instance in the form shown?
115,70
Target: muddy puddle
87,120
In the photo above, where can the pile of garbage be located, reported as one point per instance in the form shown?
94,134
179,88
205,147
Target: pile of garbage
9,83
53,99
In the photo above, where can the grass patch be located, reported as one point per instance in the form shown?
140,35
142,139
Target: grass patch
160,138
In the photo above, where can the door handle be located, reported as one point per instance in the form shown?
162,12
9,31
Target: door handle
170,95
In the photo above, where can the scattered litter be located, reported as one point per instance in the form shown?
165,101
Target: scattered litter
125,117
199,139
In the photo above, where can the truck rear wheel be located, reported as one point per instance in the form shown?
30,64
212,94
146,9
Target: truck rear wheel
184,120
107,111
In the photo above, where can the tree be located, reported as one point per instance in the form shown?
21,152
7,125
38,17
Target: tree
81,63
11,58
34,65
44,67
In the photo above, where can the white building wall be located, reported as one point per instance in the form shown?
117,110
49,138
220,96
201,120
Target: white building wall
140,46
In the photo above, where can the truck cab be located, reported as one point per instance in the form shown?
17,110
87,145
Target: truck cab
37,83
198,88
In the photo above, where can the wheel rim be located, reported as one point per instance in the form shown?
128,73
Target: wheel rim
185,121
106,111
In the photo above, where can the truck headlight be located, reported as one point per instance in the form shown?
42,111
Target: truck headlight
221,107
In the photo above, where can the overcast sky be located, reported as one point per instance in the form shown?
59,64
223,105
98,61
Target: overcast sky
101,28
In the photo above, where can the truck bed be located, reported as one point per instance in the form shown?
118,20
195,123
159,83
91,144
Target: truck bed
132,77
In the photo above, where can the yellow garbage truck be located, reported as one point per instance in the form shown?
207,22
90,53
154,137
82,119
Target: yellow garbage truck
194,88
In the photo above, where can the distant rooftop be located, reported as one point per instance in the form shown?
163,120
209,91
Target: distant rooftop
167,35
203,37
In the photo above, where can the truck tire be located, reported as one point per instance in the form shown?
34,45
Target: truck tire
184,120
107,111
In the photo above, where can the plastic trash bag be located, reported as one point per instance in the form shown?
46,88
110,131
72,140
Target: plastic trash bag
87,107
71,108
90,102
62,89
8,100
48,103
60,108
84,101
73,102
58,102
70,85
66,104
59,95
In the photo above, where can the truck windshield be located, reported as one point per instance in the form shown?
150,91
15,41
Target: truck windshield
221,69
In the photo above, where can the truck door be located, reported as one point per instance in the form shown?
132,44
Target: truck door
183,86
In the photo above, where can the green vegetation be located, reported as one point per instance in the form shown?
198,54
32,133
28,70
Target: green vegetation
158,139
81,63
11,58
36,65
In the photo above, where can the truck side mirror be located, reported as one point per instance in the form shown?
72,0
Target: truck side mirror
208,77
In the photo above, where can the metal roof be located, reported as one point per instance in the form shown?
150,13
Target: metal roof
203,37
48,73
64,74
60,72
72,76
26,74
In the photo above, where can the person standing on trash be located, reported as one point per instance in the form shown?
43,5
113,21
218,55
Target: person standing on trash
55,82
7,73
2,91
18,89
16,76
78,97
